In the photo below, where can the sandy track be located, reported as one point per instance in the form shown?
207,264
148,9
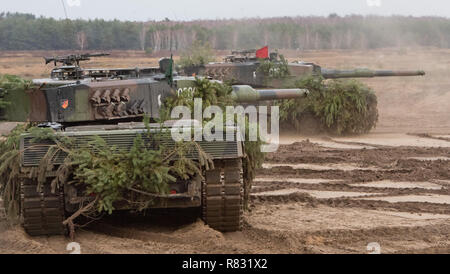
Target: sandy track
296,209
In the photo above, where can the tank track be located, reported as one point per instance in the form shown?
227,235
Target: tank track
42,211
223,195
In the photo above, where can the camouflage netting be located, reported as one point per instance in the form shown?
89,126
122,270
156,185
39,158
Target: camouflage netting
338,107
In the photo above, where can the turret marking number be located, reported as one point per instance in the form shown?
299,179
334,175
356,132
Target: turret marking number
190,90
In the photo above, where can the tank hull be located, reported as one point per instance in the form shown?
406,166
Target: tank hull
218,188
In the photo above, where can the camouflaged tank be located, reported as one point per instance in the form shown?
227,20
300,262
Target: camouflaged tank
80,103
247,67
260,69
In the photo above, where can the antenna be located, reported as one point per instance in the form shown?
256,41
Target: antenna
64,7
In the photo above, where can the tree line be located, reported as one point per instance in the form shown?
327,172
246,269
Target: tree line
20,31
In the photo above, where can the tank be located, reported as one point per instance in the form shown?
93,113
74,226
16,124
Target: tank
111,103
260,69
248,68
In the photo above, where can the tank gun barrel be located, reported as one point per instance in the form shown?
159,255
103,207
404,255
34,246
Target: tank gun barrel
366,73
246,94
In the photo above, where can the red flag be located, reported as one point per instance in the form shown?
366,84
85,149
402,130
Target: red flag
263,53
64,103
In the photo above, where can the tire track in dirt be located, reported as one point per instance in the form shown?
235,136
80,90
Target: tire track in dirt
271,186
418,173
346,240
427,135
14,240
165,232
414,207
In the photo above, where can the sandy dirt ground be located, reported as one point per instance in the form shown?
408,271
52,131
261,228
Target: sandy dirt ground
318,194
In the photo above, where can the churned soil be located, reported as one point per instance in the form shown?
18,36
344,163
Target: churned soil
308,198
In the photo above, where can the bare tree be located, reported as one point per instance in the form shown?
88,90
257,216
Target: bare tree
81,40
142,36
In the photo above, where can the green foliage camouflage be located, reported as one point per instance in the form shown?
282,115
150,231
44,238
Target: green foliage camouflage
211,93
111,174
275,69
106,172
10,173
10,170
218,94
340,106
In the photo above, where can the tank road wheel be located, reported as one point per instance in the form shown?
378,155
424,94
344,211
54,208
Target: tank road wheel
223,196
42,211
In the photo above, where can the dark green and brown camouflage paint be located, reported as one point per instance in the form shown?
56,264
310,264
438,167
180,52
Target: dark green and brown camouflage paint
248,73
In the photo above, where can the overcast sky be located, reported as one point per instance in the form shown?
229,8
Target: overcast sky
143,10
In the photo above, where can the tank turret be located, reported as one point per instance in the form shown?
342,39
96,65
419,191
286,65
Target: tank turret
112,95
258,68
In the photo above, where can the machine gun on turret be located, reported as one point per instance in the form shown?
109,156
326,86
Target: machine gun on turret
70,70
247,68
73,59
